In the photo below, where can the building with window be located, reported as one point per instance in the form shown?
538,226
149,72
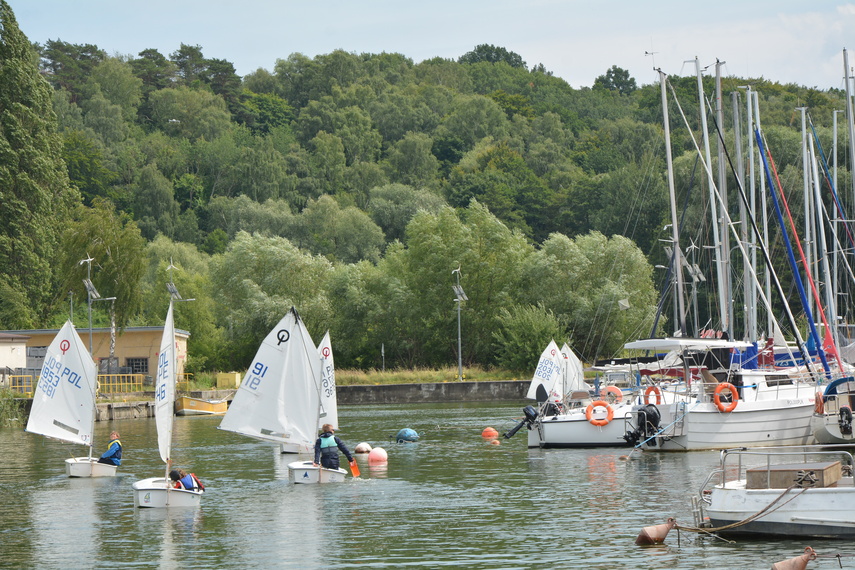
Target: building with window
135,350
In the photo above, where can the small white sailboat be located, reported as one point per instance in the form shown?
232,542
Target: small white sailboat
279,399
158,492
64,401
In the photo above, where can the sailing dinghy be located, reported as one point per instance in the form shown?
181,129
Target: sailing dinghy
158,491
64,402
279,399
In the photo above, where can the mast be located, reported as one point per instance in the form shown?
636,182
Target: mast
675,226
719,265
849,116
750,316
809,218
770,319
727,323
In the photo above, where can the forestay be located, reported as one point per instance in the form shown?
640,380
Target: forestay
278,399
63,404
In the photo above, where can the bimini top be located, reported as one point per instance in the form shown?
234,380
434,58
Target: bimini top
684,343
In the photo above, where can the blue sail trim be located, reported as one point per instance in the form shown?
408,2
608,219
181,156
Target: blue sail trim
790,255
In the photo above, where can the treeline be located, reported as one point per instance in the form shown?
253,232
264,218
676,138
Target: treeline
350,186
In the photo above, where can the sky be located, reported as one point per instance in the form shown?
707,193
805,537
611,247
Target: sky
787,41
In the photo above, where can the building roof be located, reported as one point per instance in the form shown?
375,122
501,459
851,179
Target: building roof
21,333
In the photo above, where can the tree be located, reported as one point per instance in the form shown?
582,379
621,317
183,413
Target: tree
616,79
35,195
189,113
190,62
410,161
392,206
86,170
340,234
114,243
69,65
116,81
492,54
522,333
154,203
155,71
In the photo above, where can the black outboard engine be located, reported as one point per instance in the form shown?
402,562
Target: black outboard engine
647,420
844,420
530,415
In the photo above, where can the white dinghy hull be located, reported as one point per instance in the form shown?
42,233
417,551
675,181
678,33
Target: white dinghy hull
157,492
306,472
88,467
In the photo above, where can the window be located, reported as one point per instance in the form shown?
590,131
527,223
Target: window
138,365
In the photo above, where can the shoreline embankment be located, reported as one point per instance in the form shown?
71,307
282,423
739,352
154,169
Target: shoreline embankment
141,404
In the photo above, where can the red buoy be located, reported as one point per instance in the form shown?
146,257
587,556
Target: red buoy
797,563
377,455
655,534
489,433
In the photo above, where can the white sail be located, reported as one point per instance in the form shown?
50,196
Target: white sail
574,372
64,401
278,399
164,394
329,406
548,374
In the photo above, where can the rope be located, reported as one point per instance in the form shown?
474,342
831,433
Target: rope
761,513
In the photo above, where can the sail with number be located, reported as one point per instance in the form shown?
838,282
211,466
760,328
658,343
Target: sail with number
278,399
329,405
64,400
546,384
164,395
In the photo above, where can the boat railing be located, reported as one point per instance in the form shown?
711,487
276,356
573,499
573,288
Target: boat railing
746,458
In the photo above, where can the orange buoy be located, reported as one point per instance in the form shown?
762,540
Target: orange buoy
655,534
489,433
614,391
819,405
495,442
797,563
734,393
653,390
589,413
377,455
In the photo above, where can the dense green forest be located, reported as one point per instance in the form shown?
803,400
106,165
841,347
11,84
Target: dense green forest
351,186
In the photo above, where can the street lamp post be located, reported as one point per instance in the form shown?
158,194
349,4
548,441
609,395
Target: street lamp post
459,297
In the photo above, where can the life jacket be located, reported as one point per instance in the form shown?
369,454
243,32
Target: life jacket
328,441
198,481
118,454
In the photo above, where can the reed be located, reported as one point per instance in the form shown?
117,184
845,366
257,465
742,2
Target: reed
419,376
12,411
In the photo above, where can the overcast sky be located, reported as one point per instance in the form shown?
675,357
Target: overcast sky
788,41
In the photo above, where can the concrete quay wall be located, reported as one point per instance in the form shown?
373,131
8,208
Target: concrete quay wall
141,404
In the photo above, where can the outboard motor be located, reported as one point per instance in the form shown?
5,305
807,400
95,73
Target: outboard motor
647,420
530,415
844,420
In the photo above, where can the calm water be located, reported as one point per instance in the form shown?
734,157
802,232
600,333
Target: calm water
450,500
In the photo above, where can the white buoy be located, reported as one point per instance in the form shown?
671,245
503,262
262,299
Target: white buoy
363,447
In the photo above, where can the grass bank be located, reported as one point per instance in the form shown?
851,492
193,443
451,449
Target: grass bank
205,381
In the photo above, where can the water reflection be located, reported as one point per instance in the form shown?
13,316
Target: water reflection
452,500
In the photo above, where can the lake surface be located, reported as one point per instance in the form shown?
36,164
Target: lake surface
450,500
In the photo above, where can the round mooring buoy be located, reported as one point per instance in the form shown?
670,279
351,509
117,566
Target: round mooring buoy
363,447
489,433
407,435
377,455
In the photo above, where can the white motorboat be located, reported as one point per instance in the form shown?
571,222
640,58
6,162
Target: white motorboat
158,492
803,491
64,401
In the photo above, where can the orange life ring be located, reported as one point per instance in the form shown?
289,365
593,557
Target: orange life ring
819,405
589,412
653,390
612,390
717,397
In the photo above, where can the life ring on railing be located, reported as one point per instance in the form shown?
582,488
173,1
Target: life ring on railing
653,390
819,405
589,413
733,393
612,390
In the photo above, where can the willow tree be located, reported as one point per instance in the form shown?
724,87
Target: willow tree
35,195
